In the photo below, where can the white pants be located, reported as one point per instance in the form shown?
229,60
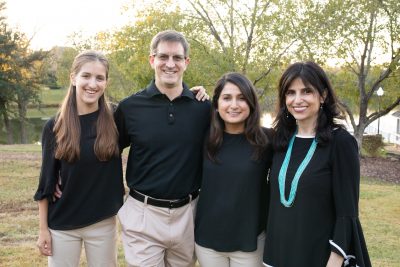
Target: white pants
99,240
154,236
211,258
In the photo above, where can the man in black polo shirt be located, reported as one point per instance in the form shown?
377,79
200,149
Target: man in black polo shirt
164,126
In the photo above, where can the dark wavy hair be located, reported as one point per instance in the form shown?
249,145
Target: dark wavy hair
312,75
253,131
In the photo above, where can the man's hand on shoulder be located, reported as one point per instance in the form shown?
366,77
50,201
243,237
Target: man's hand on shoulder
200,93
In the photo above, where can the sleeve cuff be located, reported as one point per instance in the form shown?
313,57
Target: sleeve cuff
337,249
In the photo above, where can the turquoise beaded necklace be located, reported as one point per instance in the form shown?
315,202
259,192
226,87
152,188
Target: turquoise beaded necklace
282,173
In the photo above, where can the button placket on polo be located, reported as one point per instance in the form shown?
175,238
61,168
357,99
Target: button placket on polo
171,115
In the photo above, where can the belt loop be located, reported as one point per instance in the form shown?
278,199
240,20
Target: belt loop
145,200
190,198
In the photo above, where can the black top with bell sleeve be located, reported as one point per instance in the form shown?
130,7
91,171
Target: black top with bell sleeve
324,214
92,190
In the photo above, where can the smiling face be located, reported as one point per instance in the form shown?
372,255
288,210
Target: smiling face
233,108
169,63
90,82
303,102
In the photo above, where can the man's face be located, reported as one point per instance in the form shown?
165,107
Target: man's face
169,63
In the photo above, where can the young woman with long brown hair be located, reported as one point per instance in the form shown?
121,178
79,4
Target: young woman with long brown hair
80,147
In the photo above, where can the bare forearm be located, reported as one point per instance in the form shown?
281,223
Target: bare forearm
44,239
335,260
43,210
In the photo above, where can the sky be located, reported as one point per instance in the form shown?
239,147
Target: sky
50,22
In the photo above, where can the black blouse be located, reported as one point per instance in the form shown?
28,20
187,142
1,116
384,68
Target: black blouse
232,208
91,190
324,215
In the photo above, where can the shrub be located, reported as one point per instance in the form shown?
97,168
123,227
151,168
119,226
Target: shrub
373,145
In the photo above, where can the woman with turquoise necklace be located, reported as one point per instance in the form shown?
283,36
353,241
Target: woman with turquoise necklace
315,175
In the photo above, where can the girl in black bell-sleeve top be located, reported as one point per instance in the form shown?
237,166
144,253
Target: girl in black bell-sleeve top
80,148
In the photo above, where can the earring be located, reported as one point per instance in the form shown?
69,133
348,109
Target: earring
321,106
287,113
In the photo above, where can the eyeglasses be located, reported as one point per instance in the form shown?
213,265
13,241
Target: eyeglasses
165,57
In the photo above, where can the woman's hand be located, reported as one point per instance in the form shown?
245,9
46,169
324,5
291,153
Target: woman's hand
44,242
335,260
200,92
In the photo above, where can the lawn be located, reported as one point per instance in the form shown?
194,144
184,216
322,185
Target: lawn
51,100
379,212
52,97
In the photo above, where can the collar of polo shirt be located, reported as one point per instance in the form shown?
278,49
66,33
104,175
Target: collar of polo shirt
152,90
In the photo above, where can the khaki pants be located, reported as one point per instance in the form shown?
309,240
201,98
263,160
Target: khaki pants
99,240
211,258
154,236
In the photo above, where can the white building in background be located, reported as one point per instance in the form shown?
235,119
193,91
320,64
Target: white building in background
389,126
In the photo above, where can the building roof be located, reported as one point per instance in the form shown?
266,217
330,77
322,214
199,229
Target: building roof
396,114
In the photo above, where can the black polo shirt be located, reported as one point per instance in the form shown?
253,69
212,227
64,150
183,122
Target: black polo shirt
165,139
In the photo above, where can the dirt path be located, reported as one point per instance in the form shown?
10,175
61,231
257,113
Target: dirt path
383,169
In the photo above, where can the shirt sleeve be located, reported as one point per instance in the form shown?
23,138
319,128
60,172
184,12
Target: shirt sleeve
123,137
50,169
348,239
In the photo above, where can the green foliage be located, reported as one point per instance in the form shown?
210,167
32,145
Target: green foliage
58,65
52,97
254,43
357,42
21,76
361,38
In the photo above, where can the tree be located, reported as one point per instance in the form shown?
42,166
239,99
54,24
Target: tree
19,76
364,38
260,37
29,80
7,46
62,61
223,35
129,47
252,35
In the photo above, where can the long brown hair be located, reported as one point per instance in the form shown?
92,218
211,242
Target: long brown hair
67,126
253,131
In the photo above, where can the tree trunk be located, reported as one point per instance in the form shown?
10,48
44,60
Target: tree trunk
22,106
8,126
358,135
7,123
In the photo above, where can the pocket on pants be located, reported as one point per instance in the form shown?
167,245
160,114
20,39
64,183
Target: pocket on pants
131,215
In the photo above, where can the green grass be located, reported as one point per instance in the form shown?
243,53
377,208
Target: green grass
20,165
52,97
42,113
380,218
20,148
18,212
